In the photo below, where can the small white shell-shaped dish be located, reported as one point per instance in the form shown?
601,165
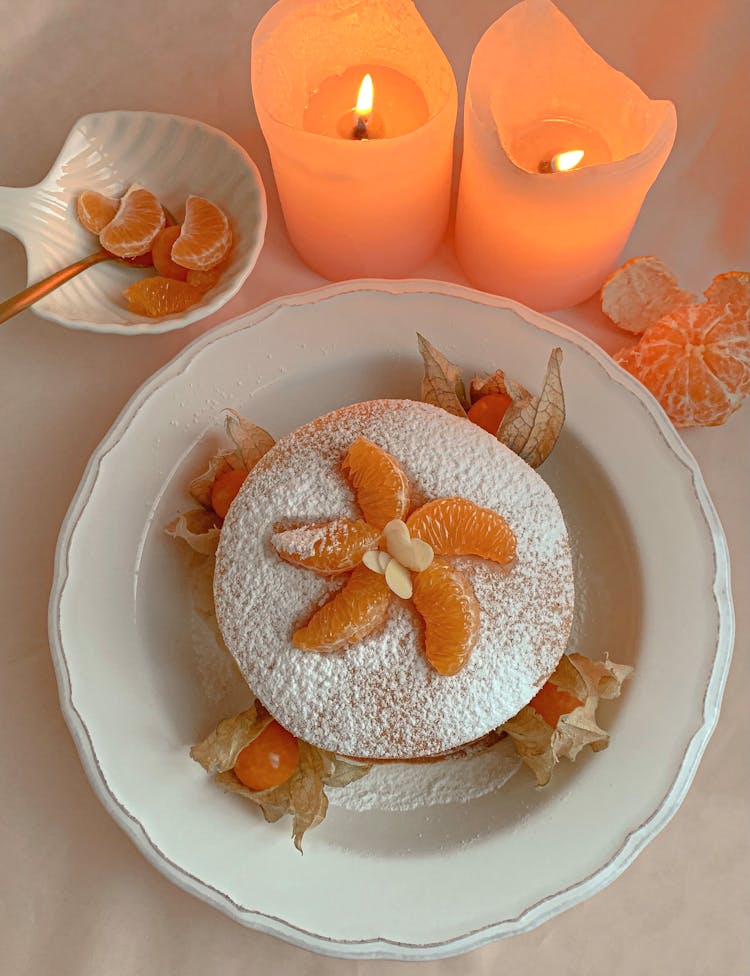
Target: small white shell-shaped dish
170,156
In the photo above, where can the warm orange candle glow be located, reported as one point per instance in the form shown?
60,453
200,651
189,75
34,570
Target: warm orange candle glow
536,92
364,188
365,98
565,161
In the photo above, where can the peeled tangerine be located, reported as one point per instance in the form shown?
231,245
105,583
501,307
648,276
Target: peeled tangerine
640,292
696,362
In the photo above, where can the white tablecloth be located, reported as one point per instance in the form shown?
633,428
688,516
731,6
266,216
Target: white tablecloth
77,897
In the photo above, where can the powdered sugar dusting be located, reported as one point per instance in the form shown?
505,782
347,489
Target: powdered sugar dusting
379,697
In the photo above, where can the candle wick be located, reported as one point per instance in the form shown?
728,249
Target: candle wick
545,166
360,129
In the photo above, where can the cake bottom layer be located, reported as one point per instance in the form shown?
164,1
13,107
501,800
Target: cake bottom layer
398,787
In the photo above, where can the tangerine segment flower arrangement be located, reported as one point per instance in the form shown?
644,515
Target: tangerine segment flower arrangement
374,611
402,555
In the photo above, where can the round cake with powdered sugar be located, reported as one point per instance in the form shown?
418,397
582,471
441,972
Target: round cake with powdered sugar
380,696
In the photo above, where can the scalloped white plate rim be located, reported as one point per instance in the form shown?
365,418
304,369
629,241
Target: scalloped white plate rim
540,911
168,323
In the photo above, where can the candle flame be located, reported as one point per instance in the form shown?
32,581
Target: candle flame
565,161
365,97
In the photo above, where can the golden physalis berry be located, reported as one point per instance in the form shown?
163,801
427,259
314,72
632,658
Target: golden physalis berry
489,411
269,760
551,702
224,490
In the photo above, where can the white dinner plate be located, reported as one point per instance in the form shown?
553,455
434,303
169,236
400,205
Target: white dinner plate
652,590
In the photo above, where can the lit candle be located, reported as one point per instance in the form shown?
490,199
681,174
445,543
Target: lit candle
560,151
363,168
363,109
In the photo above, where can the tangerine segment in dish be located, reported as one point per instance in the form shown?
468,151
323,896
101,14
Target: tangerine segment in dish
378,481
358,609
696,362
446,602
134,227
551,703
95,210
154,297
161,252
327,547
206,280
458,527
269,760
205,237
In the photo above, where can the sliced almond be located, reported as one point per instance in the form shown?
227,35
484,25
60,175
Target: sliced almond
383,559
399,579
371,559
396,528
420,556
397,539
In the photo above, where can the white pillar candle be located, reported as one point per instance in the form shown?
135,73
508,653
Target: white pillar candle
525,228
363,194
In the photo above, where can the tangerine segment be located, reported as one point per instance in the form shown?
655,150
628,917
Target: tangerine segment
357,610
327,547
160,296
135,225
161,251
378,481
489,410
206,280
269,760
551,703
628,359
458,527
446,602
696,362
205,238
95,210
732,287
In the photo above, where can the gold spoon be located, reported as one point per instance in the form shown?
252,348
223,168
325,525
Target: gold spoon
17,303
